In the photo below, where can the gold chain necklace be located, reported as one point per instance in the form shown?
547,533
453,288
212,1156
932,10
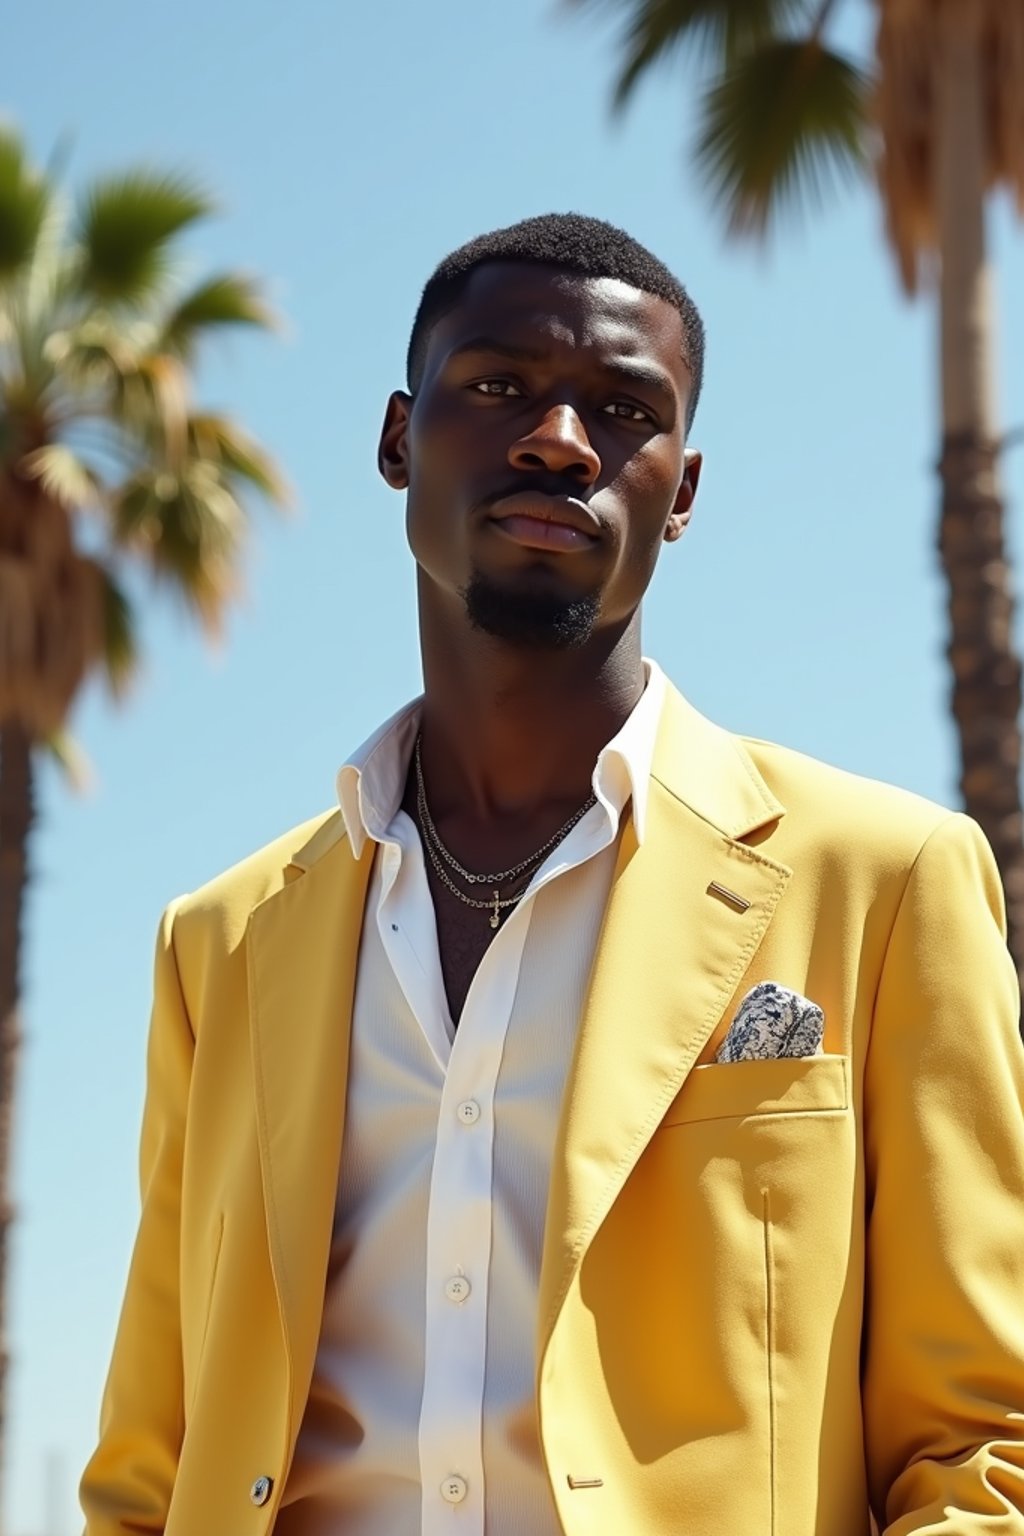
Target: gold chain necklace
437,852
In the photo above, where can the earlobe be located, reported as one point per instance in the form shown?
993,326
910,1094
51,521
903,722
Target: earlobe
676,526
681,513
392,458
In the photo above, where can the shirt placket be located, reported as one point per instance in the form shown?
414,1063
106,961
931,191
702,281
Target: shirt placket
459,1214
459,1224
459,1246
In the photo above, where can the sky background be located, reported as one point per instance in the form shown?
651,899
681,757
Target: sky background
352,147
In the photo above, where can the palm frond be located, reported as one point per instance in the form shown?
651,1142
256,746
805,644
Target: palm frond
136,508
120,647
24,201
155,403
64,476
49,279
118,375
109,372
94,357
227,299
71,761
126,226
908,109
781,124
35,301
218,439
189,530
715,32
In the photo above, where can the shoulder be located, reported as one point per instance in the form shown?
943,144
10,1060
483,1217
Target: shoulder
871,845
791,806
223,905
856,828
845,806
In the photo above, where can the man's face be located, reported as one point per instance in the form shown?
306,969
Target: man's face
544,451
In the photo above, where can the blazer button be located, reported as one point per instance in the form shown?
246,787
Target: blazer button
260,1491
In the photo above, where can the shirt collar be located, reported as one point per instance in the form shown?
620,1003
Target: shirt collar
371,782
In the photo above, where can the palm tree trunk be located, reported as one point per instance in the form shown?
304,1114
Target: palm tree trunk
17,812
986,694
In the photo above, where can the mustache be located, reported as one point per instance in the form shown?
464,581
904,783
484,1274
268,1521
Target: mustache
538,485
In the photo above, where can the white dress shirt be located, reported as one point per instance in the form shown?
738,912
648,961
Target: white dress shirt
421,1417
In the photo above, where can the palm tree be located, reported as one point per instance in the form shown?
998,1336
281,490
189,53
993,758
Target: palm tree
938,115
104,466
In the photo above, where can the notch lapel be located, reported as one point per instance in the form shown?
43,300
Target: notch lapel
670,956
303,945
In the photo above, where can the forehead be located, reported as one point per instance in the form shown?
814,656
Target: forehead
525,304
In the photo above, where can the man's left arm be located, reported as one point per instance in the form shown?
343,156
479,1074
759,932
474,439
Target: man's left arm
944,1141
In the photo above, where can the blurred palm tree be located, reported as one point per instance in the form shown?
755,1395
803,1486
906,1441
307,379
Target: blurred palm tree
938,115
104,465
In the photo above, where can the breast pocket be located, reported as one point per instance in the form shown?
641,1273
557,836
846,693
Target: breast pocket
786,1085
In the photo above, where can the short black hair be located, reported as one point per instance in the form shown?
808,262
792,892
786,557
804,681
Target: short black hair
575,243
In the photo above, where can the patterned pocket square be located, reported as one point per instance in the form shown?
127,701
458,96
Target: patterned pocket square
773,1021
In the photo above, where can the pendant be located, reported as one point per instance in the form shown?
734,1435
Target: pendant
496,914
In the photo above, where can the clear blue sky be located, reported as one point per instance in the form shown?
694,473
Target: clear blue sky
352,147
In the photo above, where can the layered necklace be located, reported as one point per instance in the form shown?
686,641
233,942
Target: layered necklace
447,867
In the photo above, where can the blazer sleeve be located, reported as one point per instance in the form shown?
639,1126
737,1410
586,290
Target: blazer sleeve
944,1152
128,1482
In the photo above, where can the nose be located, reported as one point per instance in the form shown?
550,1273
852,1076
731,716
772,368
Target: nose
559,444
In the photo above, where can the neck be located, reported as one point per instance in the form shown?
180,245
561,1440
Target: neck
509,731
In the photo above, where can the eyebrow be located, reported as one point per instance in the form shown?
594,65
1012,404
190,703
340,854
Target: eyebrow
510,349
654,379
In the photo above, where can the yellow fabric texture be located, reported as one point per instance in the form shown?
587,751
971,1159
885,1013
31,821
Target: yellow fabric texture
782,1297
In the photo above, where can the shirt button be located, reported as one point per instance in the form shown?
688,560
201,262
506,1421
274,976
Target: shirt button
468,1112
457,1288
454,1490
259,1493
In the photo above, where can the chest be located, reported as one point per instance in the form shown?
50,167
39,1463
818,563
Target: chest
464,935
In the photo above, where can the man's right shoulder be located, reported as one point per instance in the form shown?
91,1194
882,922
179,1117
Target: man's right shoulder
224,904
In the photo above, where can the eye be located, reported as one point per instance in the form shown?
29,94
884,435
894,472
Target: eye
625,410
497,388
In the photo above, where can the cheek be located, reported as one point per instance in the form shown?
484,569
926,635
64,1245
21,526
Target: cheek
430,470
646,491
424,456
642,558
434,507
441,430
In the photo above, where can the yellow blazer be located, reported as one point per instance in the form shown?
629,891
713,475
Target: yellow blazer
775,1295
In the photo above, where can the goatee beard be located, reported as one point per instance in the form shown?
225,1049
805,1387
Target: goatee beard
537,621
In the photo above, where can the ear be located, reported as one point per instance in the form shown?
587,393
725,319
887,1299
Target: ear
679,517
392,455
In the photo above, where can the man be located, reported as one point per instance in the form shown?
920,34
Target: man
597,1123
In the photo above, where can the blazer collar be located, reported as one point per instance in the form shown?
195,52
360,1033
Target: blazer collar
329,831
709,770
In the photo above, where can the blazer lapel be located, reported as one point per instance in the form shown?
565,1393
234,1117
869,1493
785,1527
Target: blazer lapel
671,954
303,944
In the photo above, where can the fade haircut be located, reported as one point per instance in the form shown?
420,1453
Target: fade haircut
574,243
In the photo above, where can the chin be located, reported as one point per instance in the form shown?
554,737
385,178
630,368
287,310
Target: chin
532,620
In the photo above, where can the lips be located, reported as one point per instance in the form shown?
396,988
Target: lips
536,521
